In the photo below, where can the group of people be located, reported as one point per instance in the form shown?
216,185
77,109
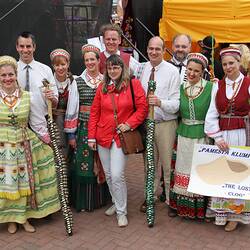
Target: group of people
112,89
209,112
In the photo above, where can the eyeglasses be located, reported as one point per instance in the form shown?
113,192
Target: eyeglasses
114,68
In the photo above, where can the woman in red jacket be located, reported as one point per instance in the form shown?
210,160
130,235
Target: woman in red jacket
102,130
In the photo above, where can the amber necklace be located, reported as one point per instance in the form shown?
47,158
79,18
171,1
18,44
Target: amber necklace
10,99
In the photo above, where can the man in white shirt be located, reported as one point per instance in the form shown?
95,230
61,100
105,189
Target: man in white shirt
181,46
166,105
112,39
30,76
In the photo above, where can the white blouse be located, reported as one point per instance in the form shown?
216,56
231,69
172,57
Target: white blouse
212,128
72,111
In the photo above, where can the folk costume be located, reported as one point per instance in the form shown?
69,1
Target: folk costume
228,118
63,95
89,189
194,103
28,187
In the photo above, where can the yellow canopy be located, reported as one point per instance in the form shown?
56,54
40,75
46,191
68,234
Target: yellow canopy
227,20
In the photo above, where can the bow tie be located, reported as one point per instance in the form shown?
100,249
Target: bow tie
180,66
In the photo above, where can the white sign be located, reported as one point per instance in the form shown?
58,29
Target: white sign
218,173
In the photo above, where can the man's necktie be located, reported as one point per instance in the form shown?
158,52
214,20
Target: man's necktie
152,75
27,86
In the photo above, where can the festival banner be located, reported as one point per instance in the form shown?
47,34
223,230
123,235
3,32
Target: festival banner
219,173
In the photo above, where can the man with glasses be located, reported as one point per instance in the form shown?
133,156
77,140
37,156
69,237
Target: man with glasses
181,46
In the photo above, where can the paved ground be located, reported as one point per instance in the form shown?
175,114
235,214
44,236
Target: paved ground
97,231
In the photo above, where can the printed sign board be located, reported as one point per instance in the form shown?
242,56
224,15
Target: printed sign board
218,173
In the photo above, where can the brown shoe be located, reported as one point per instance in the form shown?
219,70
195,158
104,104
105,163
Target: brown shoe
231,226
172,212
28,227
143,207
12,227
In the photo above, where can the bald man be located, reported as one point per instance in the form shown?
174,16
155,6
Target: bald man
166,105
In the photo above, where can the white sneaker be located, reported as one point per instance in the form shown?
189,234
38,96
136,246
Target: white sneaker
110,211
122,220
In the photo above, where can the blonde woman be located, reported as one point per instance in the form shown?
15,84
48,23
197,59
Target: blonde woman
227,122
28,187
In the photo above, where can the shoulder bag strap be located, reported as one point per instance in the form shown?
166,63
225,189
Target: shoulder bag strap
132,93
114,108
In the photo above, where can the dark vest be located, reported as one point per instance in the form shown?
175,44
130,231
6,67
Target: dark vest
237,106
